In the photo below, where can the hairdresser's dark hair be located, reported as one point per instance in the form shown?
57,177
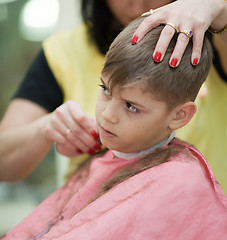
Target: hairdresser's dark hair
99,22
126,64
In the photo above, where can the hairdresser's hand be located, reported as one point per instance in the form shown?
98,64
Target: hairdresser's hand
74,131
194,15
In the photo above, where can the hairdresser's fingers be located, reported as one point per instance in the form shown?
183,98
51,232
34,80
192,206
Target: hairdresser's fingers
79,138
163,43
147,24
197,46
80,128
66,130
198,13
76,139
68,150
68,124
182,42
55,129
83,128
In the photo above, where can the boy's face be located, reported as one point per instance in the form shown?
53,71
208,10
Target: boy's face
129,119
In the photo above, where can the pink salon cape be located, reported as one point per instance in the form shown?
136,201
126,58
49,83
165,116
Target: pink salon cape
179,199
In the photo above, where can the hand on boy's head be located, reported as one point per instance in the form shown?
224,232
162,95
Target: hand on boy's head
171,15
128,62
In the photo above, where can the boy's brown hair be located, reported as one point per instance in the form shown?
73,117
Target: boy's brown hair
127,64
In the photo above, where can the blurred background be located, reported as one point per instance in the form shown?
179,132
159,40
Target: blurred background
23,26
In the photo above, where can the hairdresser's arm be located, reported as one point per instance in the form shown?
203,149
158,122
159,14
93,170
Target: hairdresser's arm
28,131
23,143
195,15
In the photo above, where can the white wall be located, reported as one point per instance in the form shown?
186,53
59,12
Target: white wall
69,14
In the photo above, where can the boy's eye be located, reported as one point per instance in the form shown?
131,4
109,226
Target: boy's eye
131,108
105,89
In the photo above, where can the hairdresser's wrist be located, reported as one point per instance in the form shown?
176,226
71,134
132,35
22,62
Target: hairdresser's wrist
219,24
223,30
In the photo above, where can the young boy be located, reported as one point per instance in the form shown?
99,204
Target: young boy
148,185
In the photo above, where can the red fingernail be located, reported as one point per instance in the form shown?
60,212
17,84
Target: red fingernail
78,151
173,62
91,152
134,39
95,134
157,56
97,147
195,61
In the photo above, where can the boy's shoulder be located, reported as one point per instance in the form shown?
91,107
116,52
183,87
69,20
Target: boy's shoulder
192,157
184,166
185,171
186,175
185,162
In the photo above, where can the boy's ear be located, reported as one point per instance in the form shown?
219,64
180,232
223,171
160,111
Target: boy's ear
182,114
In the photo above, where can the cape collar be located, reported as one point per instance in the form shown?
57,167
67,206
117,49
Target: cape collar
129,156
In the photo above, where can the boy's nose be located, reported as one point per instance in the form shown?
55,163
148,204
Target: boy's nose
110,115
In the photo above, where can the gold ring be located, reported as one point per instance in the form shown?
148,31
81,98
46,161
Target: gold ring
150,12
67,132
188,33
173,26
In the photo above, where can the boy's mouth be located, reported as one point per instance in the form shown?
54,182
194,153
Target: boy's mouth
105,132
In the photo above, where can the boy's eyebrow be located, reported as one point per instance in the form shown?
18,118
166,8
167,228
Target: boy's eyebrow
102,81
141,105
134,103
129,101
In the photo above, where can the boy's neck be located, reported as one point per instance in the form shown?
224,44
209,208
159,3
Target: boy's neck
129,156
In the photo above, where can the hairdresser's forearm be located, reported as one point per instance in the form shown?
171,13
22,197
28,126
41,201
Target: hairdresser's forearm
220,40
220,21
21,149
